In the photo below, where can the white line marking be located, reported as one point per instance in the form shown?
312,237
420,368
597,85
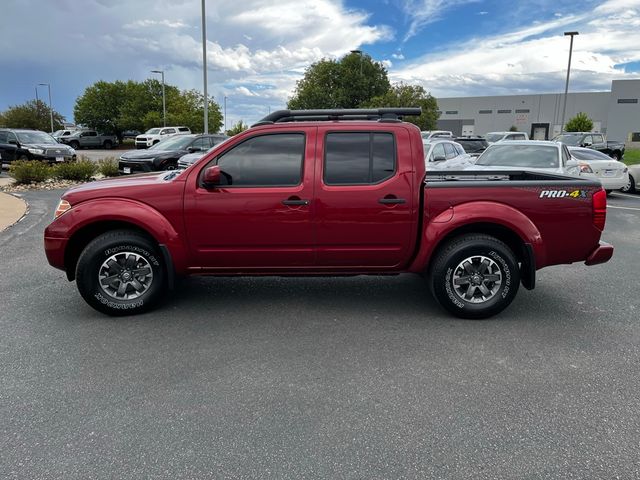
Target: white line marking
616,194
624,208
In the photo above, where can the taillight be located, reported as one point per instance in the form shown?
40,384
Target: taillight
584,168
599,203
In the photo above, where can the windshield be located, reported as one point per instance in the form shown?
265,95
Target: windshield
36,137
589,155
173,143
57,133
533,156
153,131
494,137
568,139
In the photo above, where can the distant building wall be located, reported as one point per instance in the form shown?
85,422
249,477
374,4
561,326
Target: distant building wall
541,115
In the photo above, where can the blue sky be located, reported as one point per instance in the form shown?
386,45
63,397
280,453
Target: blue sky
257,49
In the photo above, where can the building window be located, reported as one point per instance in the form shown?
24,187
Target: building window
504,111
485,111
627,100
451,112
524,110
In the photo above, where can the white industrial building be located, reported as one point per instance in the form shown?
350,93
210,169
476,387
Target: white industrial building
616,113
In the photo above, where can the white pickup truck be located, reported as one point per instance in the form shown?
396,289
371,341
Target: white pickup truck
154,135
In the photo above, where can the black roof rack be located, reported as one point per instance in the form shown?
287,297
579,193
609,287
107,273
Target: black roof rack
323,115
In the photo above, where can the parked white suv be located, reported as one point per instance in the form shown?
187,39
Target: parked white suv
154,135
493,137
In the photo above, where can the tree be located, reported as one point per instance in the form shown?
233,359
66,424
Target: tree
403,95
117,106
237,128
33,114
345,83
513,128
580,123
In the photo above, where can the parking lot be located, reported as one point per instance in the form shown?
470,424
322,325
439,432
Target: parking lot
362,377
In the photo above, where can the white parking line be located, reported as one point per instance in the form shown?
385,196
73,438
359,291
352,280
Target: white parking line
620,194
624,208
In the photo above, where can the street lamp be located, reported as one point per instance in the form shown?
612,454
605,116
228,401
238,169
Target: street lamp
164,105
225,114
50,108
204,69
566,86
359,52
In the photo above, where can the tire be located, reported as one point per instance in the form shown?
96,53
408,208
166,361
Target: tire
474,255
630,187
23,157
616,156
156,141
107,256
608,192
107,144
74,145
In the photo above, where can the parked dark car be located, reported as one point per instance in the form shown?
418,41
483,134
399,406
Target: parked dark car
473,145
165,155
595,141
18,144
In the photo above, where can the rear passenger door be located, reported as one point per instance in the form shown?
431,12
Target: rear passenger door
365,204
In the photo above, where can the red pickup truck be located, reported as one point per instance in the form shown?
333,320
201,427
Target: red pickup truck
325,192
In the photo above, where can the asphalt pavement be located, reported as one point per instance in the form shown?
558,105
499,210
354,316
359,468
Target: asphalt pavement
362,377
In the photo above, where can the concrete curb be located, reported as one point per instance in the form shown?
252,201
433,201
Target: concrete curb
12,210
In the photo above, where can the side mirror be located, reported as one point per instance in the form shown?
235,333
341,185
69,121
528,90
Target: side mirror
13,142
586,144
211,176
194,149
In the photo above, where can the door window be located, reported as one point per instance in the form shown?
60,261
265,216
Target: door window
598,139
449,151
587,140
359,158
437,154
264,161
201,143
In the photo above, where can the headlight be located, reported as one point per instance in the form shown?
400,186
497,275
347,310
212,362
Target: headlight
63,207
36,151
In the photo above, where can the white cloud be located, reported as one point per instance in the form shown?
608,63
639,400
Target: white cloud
424,12
398,56
534,58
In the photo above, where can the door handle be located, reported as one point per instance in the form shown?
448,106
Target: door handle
295,202
391,201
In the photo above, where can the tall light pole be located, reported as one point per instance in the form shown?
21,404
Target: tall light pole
359,52
50,108
225,114
566,86
164,105
204,69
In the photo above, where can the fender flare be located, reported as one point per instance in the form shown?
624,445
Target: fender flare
482,212
134,212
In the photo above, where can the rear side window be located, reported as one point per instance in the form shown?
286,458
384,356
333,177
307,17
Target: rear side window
183,129
263,161
359,158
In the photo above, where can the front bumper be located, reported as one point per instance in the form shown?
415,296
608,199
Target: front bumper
54,249
54,158
127,167
602,254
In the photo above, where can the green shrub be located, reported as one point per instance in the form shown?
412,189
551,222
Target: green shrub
108,167
79,171
30,171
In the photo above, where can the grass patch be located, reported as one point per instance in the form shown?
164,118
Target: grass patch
33,171
79,171
632,156
108,167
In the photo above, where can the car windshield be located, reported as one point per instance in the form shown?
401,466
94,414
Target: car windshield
153,131
589,155
568,139
177,142
534,156
494,137
57,133
36,137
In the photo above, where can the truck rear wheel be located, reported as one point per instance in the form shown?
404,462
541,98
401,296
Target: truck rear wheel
107,144
120,273
475,276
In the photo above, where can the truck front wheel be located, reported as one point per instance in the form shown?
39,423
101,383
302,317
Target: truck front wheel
120,273
475,276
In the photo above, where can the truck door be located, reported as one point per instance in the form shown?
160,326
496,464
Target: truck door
365,204
259,217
